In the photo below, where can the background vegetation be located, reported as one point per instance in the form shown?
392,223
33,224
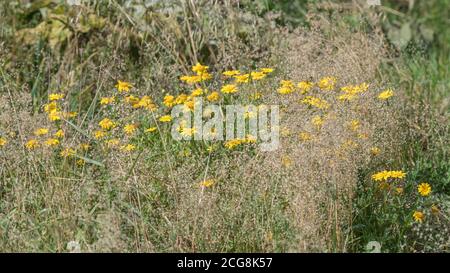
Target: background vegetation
150,201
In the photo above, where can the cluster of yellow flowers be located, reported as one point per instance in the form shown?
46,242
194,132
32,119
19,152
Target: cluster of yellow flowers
385,175
423,189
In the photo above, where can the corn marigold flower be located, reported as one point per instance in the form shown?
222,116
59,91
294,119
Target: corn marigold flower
354,125
41,132
285,90
305,86
385,175
207,183
256,75
2,141
151,129
214,96
317,121
229,89
267,70
54,116
187,132
99,134
386,94
165,118
316,102
55,96
69,114
32,144
244,78
181,98
84,146
123,86
327,83
50,107
255,96
375,150
199,69
130,129
67,152
424,189
231,144
418,216
106,124
128,147
169,100
59,133
107,100
51,142
231,73
305,136
197,92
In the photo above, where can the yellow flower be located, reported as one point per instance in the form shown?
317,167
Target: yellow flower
197,92
32,144
81,162
327,83
267,70
128,147
51,142
424,189
316,102
107,100
55,96
59,134
85,146
385,175
54,115
199,69
41,132
245,78
147,103
229,88
214,96
418,216
169,100
386,94
347,97
354,125
191,79
286,161
231,73
123,86
70,114
181,99
305,136
68,152
285,90
257,75
50,107
231,144
132,100
305,86
99,134
166,118
187,132
317,121
255,96
207,183
151,129
375,150
106,124
2,141
129,129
